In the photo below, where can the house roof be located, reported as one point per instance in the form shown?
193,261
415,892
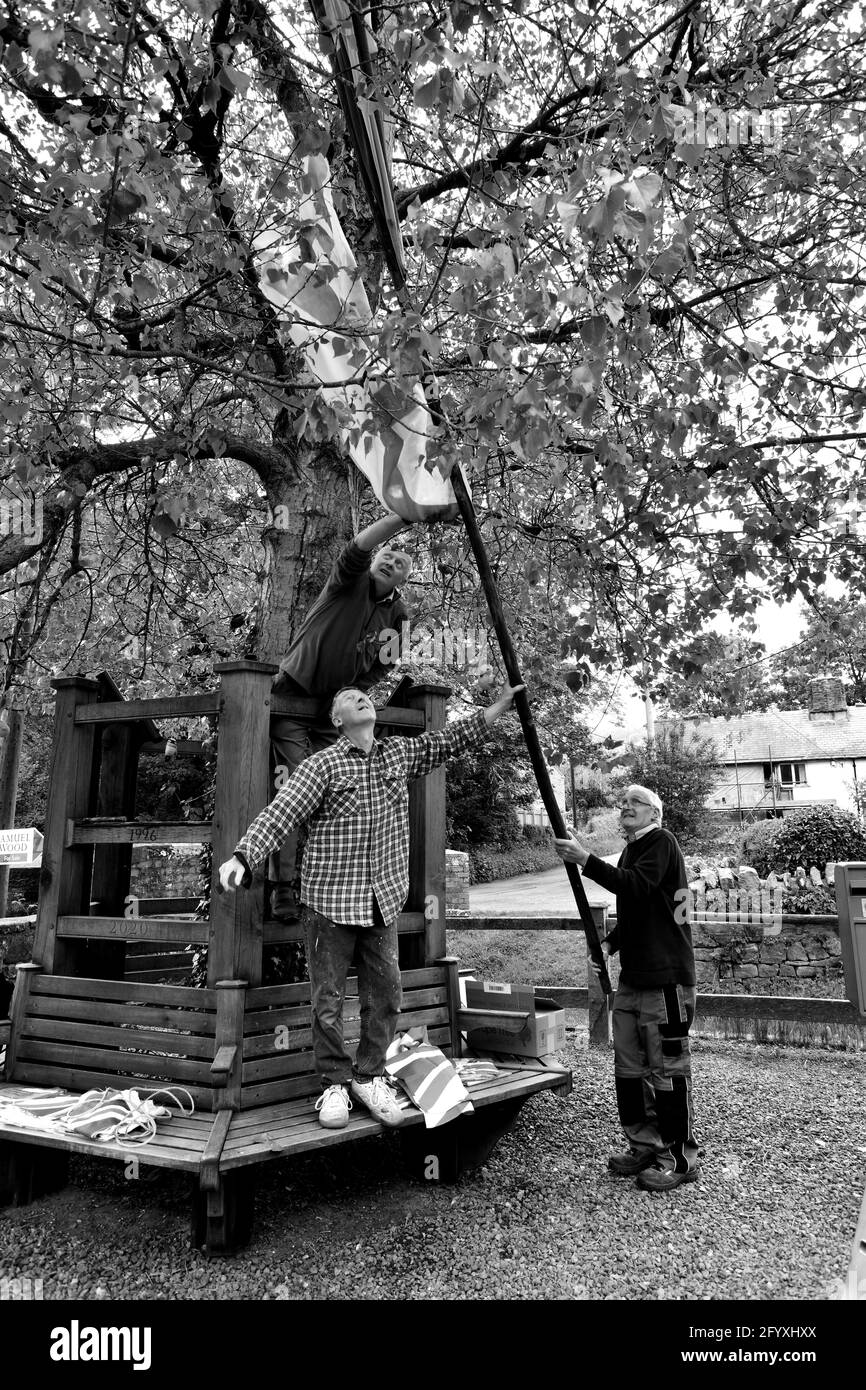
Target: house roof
791,734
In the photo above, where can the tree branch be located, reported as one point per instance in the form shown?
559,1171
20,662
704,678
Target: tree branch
78,472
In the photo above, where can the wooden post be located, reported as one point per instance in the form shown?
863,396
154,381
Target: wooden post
599,1002
8,791
230,1034
23,980
64,882
112,863
453,982
427,840
242,790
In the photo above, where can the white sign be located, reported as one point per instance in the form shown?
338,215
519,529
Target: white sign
21,847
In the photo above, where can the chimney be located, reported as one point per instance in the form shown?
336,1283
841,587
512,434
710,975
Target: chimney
827,697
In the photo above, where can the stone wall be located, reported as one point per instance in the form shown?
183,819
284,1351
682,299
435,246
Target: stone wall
456,882
754,955
165,871
742,935
16,943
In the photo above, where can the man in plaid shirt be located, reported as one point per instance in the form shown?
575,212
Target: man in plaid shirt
354,798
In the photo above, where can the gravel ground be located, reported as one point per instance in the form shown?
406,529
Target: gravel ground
772,1218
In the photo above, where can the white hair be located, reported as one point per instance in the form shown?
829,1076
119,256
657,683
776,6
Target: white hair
654,801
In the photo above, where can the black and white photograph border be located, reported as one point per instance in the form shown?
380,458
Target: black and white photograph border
433,654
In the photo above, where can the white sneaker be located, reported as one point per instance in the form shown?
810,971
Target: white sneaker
333,1106
379,1099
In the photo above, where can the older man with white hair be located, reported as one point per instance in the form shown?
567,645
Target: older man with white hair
655,998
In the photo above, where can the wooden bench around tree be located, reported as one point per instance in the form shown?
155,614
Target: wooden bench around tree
253,1103
241,1048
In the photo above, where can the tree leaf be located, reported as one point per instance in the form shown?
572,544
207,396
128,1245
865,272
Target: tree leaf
426,92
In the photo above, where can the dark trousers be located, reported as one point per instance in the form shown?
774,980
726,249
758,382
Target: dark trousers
652,1069
330,950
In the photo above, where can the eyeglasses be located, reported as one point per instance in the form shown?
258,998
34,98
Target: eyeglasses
635,801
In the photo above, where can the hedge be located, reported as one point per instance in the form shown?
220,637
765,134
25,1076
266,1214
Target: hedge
487,864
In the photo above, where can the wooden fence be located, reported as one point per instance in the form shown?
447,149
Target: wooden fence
779,1008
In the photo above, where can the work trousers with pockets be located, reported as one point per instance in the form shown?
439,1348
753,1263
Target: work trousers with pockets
652,1069
331,947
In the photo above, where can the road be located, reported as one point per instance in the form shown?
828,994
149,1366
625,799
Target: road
544,894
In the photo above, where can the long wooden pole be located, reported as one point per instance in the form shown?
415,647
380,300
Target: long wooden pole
348,97
527,722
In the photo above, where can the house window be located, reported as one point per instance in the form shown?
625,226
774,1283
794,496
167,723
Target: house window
787,774
791,774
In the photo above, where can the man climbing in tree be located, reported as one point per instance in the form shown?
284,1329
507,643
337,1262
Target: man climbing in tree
354,798
338,644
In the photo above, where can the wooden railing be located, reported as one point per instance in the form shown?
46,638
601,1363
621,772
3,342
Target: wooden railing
83,926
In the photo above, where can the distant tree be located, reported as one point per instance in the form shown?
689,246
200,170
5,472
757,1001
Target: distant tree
484,788
834,644
722,676
682,769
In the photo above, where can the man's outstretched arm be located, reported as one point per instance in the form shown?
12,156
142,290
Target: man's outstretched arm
295,803
378,532
429,751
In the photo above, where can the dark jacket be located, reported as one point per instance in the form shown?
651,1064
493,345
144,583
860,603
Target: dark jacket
340,639
652,932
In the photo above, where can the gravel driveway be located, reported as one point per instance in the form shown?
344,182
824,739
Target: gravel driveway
772,1218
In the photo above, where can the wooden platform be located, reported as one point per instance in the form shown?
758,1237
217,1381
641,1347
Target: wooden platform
271,1131
219,1150
179,1143
245,1058
242,1049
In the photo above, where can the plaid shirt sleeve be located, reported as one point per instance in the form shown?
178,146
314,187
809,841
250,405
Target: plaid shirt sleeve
296,802
429,751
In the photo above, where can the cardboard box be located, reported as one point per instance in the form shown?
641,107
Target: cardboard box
537,1035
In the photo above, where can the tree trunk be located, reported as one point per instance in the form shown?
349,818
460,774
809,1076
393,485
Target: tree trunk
311,519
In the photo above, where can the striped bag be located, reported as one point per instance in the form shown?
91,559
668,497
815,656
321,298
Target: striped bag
428,1078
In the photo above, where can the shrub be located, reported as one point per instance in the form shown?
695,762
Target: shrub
487,864
816,836
721,838
757,845
602,834
809,900
483,789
